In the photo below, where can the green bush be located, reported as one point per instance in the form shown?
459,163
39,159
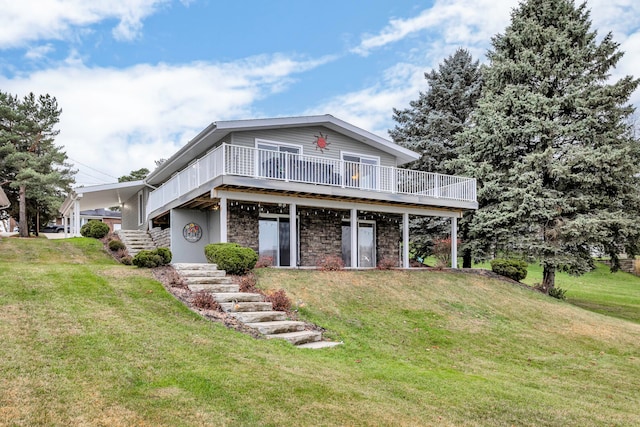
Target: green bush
151,259
116,245
95,229
558,293
231,257
165,253
512,268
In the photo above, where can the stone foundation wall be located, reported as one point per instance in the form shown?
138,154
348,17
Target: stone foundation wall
320,234
242,220
161,238
388,238
320,231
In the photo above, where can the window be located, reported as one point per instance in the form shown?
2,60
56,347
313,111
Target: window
361,171
277,159
140,208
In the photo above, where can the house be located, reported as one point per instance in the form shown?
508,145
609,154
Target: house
295,189
112,218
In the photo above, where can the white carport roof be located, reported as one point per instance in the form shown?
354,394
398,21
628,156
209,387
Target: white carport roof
101,196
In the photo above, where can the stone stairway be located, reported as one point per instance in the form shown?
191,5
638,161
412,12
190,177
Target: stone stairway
248,308
136,240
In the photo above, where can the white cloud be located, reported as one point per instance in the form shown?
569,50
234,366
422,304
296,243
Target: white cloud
118,120
469,24
38,52
26,21
457,22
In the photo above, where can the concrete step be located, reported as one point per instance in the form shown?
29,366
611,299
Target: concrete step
320,344
246,306
259,316
202,273
277,326
215,280
297,338
238,297
194,266
214,289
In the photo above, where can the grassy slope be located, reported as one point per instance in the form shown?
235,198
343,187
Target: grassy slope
614,294
86,341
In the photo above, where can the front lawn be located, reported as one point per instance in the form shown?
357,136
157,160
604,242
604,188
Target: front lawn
86,341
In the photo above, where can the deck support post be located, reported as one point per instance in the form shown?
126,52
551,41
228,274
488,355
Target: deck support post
354,238
454,242
405,240
223,219
293,236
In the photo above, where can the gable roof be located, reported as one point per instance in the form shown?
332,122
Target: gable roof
218,130
4,200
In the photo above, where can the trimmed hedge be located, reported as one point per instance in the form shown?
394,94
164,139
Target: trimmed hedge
95,229
116,245
231,257
151,259
512,268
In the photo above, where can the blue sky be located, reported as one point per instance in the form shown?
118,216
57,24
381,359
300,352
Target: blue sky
137,79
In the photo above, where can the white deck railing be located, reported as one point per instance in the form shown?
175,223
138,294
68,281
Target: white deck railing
283,166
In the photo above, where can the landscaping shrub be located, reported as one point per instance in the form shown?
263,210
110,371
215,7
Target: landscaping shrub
512,268
330,263
231,257
205,301
95,229
116,245
151,259
248,283
279,299
558,293
442,253
264,261
387,264
165,253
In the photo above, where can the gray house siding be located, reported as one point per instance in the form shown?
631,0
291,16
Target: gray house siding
306,137
130,209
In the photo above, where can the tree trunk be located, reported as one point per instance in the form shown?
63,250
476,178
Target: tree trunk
22,218
466,258
548,278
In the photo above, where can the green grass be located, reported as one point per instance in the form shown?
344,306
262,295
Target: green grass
88,342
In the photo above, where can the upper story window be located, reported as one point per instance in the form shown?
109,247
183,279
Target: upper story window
361,171
277,160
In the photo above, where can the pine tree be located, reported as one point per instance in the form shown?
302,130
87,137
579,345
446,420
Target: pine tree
430,126
552,147
35,167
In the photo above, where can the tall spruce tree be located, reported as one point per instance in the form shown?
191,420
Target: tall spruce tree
35,167
430,125
552,147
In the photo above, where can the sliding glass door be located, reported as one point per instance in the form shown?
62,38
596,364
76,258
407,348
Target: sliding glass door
274,240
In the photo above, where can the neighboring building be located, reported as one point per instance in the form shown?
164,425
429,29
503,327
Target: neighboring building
295,189
112,218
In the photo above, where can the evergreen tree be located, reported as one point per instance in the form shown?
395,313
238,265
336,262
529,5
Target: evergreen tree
552,147
35,167
430,125
135,175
